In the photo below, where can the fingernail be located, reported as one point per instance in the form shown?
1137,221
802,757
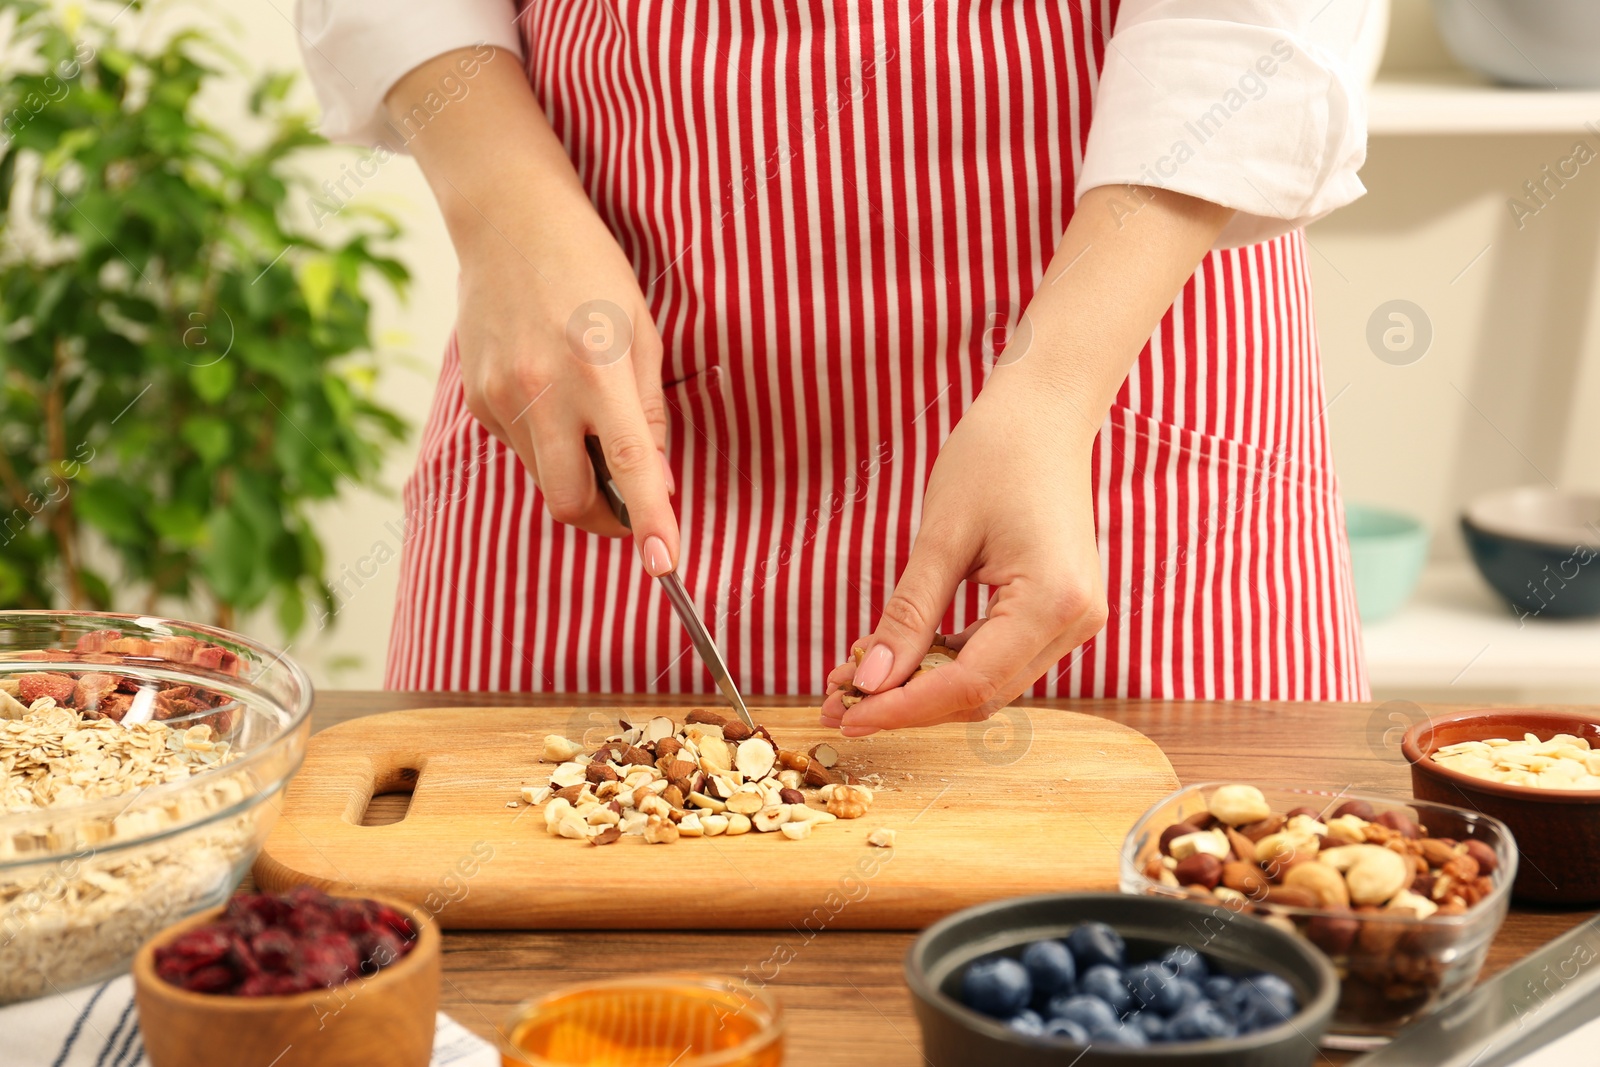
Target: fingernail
656,560
874,670
666,470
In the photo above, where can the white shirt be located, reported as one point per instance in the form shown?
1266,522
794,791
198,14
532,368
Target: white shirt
1253,104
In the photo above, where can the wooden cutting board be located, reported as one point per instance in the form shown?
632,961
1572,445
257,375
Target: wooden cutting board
1031,801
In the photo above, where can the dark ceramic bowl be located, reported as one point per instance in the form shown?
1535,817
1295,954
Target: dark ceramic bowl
954,1035
1557,830
1539,548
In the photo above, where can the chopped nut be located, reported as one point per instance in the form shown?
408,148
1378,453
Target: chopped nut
882,837
791,779
659,831
848,802
690,825
1209,842
573,826
824,754
609,836
747,800
796,831
535,794
769,819
755,757
602,816
738,824
569,774
558,749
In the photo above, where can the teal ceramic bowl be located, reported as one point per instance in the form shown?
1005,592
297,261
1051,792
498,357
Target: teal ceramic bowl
1387,551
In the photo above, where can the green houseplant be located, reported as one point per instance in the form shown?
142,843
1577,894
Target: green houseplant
185,358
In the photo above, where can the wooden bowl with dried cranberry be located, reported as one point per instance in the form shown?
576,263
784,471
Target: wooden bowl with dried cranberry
295,979
1404,897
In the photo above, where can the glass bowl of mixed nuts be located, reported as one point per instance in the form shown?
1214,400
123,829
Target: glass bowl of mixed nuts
138,757
1403,897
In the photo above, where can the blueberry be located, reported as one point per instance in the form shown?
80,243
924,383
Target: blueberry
1094,943
1153,1025
1186,962
1123,1036
1027,1022
1187,991
1261,1001
1066,1030
1106,983
1200,1021
1050,968
1218,988
1091,1013
997,986
1154,986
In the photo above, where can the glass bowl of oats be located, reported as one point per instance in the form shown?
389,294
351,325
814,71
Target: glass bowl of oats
140,763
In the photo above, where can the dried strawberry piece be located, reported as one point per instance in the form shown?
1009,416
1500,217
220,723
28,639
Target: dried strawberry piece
131,646
31,687
115,706
96,640
93,688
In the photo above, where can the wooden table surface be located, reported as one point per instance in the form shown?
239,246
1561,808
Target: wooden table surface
843,989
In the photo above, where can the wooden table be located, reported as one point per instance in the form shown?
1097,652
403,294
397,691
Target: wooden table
843,990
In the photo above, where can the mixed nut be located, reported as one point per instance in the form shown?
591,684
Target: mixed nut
1563,762
1346,879
709,777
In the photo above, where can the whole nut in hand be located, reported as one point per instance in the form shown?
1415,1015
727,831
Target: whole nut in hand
1488,862
1238,804
1282,849
1198,869
1373,873
1322,881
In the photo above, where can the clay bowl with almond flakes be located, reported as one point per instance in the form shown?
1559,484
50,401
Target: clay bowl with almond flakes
1557,830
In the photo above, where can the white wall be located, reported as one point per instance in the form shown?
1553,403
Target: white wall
1491,404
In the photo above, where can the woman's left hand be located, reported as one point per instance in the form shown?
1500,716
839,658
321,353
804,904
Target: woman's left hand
1009,504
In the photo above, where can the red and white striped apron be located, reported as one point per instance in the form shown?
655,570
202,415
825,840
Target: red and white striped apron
835,208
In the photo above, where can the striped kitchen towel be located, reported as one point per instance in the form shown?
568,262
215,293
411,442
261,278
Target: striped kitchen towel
97,1026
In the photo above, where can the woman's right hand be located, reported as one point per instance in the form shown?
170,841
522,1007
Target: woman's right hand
555,339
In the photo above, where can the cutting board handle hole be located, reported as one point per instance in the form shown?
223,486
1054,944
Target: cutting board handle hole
391,797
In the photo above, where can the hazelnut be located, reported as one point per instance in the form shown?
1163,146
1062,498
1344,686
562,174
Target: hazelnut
1200,869
1238,804
1310,813
1358,808
1488,862
792,796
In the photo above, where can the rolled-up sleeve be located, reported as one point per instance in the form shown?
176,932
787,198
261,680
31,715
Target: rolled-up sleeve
1246,103
355,51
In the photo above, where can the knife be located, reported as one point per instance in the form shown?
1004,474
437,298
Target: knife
674,590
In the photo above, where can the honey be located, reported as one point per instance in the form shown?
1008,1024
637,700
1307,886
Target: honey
681,1022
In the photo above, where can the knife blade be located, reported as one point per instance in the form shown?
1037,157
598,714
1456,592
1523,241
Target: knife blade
699,636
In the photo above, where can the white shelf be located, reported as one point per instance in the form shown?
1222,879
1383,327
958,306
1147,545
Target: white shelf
1453,101
1456,632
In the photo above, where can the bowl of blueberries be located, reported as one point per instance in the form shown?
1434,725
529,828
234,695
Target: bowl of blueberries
1104,978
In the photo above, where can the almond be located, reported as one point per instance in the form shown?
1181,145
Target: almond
736,731
701,715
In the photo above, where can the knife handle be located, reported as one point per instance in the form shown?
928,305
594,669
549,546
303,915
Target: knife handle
602,477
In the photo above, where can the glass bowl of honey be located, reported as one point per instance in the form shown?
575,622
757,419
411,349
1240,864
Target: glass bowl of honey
656,1020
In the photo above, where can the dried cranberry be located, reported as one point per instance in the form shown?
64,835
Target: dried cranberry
199,947
272,949
217,978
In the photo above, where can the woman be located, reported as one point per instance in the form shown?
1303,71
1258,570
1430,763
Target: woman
864,302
